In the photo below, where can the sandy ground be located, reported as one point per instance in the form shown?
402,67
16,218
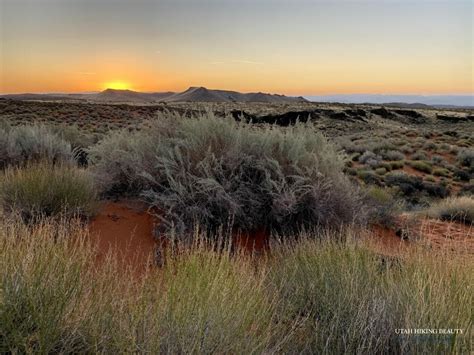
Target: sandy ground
124,228
127,229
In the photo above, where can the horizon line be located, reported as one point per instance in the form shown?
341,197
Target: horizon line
272,93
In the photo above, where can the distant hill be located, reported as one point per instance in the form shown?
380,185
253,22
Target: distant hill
415,101
193,94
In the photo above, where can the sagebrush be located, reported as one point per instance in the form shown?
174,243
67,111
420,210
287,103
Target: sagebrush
210,171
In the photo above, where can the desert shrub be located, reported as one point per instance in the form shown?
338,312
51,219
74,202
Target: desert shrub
465,157
381,171
430,178
423,166
22,144
393,155
355,157
74,135
438,160
3,147
350,171
454,209
78,139
407,149
386,165
430,146
414,187
454,150
369,177
369,158
441,172
352,147
5,126
408,184
211,170
440,190
419,156
444,147
383,204
45,190
119,161
467,189
380,146
462,175
397,164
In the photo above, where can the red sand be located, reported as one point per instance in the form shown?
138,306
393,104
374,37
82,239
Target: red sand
124,228
433,234
450,236
385,241
256,242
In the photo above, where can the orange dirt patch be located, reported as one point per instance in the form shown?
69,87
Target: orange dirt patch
124,228
412,171
256,242
435,235
445,235
446,156
385,241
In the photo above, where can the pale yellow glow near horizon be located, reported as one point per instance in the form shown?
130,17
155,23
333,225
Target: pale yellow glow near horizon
117,85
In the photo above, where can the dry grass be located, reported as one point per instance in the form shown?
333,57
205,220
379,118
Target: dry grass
454,209
315,296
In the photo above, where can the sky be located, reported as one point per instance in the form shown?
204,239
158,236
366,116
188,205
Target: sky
293,47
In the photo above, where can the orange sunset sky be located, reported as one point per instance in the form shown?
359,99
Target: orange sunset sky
297,47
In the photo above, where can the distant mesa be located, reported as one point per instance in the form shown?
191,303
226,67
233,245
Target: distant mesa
193,94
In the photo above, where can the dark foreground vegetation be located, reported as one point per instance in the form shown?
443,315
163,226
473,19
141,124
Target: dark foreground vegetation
320,290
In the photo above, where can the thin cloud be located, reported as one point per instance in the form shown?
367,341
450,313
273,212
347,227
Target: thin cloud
238,61
86,73
244,61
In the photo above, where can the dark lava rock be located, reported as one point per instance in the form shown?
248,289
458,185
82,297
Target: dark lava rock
289,118
451,133
285,119
339,116
356,112
382,112
239,115
409,113
455,119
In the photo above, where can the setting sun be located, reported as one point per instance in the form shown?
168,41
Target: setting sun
117,85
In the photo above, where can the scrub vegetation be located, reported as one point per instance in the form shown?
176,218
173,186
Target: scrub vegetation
320,190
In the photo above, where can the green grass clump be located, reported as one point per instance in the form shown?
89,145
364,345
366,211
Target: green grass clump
398,164
46,190
423,166
381,171
350,300
454,209
441,172
211,170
